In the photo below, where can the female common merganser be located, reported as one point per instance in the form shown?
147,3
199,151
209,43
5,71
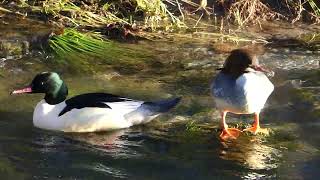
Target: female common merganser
241,88
88,112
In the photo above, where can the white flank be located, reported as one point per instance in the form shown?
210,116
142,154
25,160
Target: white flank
121,115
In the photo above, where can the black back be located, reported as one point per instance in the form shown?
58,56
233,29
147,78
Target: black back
91,100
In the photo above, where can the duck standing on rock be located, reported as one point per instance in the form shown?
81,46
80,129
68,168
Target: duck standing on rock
241,87
88,112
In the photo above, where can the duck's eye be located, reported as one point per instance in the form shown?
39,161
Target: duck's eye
42,83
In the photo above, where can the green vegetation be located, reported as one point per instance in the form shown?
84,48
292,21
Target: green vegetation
192,127
72,41
165,14
156,13
70,14
244,12
79,48
314,7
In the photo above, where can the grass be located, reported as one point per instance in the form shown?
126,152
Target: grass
191,126
73,15
314,7
156,14
72,43
98,13
246,12
302,6
243,12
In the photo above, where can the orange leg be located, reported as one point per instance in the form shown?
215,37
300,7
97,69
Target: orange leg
255,127
228,133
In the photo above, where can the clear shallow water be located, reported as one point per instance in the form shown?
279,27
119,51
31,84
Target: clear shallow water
182,144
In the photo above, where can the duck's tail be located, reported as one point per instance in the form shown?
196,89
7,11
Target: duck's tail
149,110
162,105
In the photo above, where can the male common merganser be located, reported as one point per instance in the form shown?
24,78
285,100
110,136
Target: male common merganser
241,87
88,112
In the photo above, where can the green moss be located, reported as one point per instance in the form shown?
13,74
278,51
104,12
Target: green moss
303,95
8,171
194,133
10,48
192,127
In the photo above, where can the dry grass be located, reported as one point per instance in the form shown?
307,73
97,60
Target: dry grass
69,13
244,12
299,8
157,15
74,13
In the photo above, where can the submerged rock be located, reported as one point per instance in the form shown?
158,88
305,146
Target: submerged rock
13,48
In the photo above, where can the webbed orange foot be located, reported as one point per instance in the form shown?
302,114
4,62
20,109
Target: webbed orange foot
230,133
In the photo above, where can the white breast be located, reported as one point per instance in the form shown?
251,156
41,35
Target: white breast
89,119
257,88
45,116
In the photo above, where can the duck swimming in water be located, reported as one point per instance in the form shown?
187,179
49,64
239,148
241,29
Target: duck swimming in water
241,87
88,112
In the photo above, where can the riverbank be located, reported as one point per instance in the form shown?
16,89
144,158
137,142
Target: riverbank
69,28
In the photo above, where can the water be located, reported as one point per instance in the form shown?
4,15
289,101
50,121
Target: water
182,144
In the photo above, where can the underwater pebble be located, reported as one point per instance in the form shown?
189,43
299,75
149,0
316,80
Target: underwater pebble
287,50
178,119
202,50
205,63
2,62
210,53
16,70
9,57
223,152
274,50
108,76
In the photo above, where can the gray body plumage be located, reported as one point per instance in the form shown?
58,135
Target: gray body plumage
243,95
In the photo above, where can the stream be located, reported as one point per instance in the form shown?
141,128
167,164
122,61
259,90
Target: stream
181,144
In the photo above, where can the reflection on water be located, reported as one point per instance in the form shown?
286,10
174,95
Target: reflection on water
252,153
113,143
111,171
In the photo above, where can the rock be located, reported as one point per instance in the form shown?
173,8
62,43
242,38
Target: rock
12,48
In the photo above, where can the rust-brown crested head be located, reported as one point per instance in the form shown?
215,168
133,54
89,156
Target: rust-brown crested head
238,61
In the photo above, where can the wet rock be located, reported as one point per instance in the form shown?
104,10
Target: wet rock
286,50
108,76
9,48
122,32
223,47
178,119
2,62
199,64
274,50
